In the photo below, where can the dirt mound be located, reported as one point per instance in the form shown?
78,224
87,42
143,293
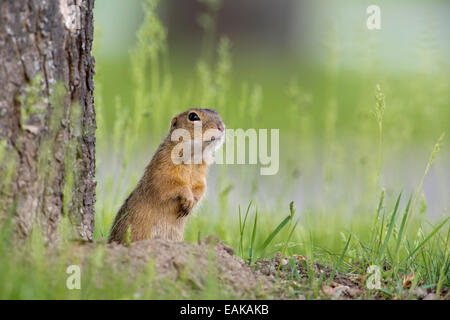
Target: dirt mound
192,263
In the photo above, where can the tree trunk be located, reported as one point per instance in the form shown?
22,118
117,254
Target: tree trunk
47,117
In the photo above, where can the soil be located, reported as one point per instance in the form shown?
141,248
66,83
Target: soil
192,263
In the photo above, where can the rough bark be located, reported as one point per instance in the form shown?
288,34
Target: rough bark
46,45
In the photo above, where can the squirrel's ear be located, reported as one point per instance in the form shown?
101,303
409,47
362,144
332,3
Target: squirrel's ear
173,123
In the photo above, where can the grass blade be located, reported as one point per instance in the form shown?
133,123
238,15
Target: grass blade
389,232
377,215
420,245
402,226
274,233
242,228
285,245
252,243
341,258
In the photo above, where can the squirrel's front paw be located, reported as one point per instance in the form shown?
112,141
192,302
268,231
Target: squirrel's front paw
186,206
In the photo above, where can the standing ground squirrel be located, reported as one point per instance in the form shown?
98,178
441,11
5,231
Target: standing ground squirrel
173,182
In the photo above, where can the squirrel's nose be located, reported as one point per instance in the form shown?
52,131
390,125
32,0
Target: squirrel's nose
220,128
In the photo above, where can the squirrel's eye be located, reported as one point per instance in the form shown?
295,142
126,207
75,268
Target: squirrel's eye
193,116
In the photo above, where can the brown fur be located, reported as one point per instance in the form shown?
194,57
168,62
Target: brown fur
161,202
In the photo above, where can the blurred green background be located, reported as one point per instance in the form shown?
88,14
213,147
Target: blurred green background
308,68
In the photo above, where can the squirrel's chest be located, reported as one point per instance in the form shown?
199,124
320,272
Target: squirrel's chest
195,180
197,186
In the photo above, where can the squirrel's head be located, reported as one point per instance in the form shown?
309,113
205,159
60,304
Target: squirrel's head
200,126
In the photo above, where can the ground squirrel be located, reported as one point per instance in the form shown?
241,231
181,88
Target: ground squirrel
173,182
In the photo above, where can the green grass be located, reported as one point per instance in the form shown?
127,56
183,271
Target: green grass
315,108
